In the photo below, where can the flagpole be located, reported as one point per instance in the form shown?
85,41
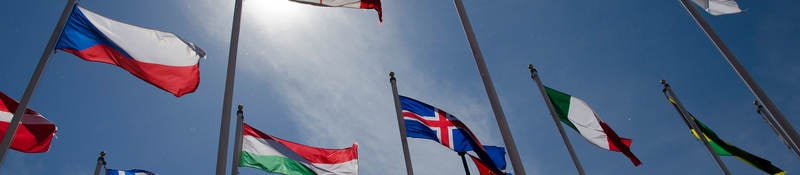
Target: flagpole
101,162
23,104
237,149
535,77
224,129
499,116
692,125
780,122
765,115
401,124
464,162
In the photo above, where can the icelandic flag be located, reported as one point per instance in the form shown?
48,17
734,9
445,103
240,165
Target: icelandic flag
427,122
128,172
159,58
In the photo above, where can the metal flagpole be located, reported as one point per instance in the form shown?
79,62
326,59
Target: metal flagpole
237,148
464,162
225,124
101,162
765,115
692,124
23,104
401,124
780,122
224,130
499,116
535,77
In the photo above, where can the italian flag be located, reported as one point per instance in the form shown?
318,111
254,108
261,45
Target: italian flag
577,114
272,154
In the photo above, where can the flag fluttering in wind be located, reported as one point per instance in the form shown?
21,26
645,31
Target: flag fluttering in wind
719,7
723,148
359,4
35,133
128,172
272,154
427,122
159,58
576,114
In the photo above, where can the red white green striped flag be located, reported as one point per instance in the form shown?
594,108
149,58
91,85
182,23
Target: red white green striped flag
272,154
577,114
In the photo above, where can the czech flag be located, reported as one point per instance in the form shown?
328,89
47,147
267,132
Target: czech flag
159,58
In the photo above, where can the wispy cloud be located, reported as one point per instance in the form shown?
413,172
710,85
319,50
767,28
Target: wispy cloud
330,66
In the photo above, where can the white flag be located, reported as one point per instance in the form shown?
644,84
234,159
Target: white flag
719,7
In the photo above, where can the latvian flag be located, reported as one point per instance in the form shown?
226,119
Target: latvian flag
272,154
159,58
34,132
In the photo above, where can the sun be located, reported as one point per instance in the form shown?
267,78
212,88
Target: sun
273,9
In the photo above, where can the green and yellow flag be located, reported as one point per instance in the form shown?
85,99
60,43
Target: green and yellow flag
723,148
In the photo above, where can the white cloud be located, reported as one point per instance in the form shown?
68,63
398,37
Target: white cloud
330,68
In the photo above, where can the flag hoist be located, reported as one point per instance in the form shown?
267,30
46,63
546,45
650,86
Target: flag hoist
256,149
160,58
499,115
37,73
401,125
776,119
227,99
577,114
417,119
715,145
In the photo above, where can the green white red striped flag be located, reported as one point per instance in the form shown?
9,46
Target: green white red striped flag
576,114
272,154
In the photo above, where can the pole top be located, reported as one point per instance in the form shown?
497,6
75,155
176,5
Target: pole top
102,153
533,70
240,107
391,74
664,82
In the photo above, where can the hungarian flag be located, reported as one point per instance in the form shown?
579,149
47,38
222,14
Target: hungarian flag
359,4
159,58
576,114
272,154
723,148
719,7
34,132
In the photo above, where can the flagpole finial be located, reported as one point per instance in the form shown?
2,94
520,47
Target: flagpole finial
102,154
664,82
240,107
391,74
530,66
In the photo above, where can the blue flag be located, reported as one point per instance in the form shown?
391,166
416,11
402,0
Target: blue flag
427,122
128,172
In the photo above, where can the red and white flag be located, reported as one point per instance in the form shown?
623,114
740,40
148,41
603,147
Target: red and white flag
34,132
272,154
358,4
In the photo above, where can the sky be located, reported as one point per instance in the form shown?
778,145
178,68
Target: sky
319,76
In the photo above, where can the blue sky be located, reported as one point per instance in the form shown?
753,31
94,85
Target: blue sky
318,76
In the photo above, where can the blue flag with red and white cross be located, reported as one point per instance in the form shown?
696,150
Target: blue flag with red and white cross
427,122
